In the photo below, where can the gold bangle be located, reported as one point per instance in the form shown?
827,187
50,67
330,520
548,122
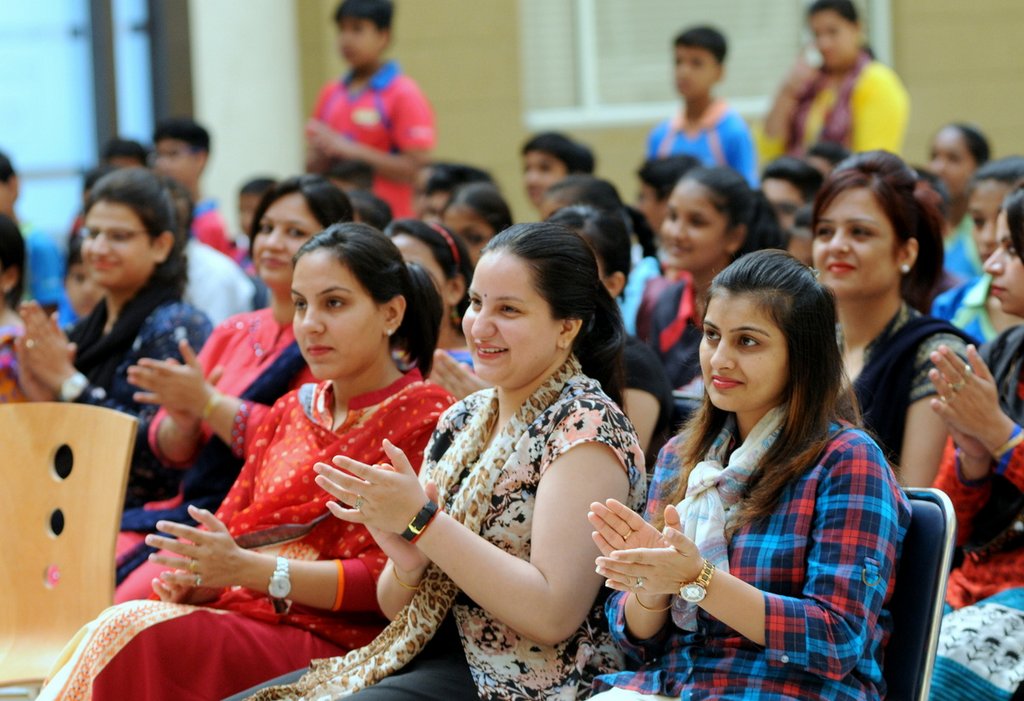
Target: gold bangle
398,579
648,608
1013,442
211,404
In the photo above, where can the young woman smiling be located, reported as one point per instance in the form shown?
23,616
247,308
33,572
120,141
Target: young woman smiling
134,251
878,246
496,597
773,527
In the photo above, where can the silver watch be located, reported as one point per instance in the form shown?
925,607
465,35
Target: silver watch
72,388
280,586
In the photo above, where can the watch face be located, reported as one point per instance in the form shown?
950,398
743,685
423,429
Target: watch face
693,592
279,586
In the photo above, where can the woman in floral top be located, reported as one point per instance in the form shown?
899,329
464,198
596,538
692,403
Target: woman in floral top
496,597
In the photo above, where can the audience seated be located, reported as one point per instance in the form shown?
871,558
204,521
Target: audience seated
547,158
369,209
773,525
272,580
496,596
135,253
436,182
211,404
980,402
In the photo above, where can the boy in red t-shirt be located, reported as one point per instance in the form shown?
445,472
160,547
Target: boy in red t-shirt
374,113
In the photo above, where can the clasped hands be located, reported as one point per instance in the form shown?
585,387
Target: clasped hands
382,497
636,556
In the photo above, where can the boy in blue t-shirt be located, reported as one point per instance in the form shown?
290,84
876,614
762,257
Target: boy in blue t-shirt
706,128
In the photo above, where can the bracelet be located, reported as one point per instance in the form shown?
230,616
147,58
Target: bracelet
211,404
648,608
340,592
398,579
1016,437
420,521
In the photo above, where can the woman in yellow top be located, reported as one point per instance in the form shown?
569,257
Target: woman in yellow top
851,99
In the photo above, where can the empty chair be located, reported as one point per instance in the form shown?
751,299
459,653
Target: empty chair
63,468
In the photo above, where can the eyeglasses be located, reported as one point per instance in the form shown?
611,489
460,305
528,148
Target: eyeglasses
112,235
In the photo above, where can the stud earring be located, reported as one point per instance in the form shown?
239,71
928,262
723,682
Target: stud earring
904,268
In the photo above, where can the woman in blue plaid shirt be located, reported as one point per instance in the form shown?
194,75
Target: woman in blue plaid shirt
773,526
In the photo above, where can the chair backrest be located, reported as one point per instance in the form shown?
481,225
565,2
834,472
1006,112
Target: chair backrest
918,599
63,472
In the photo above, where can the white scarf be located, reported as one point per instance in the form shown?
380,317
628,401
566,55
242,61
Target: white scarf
713,492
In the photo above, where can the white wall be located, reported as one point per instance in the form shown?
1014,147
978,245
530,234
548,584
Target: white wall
245,76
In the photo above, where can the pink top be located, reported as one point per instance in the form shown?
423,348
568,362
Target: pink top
390,114
244,346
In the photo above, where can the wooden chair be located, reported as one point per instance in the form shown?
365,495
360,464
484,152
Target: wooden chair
63,472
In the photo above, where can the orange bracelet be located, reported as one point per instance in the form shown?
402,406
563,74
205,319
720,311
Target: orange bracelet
341,586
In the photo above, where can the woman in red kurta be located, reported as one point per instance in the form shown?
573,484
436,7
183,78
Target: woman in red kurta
271,582
210,404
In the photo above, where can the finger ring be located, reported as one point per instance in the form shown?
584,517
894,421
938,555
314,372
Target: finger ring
30,343
957,386
199,581
967,368
193,566
639,583
359,503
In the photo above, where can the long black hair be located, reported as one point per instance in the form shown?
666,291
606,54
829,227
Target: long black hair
377,264
565,274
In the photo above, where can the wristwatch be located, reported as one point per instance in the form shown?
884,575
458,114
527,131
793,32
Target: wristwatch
72,388
280,586
695,591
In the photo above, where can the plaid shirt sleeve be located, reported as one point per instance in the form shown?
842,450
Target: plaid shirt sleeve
858,516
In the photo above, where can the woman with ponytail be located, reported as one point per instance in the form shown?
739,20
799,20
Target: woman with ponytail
272,581
491,585
878,246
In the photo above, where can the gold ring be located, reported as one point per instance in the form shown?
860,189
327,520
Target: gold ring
30,343
193,566
957,386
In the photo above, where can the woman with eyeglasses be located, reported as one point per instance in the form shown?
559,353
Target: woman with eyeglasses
135,255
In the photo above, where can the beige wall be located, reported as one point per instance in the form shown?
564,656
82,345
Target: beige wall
245,63
961,61
957,59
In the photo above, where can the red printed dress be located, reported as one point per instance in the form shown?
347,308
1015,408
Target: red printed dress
157,650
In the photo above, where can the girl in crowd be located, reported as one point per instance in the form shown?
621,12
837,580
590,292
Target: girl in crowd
773,526
957,151
135,256
228,615
972,306
12,284
647,394
850,99
492,589
878,246
210,404
476,213
713,218
445,257
980,401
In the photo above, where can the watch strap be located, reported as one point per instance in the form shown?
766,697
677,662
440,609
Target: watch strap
420,521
